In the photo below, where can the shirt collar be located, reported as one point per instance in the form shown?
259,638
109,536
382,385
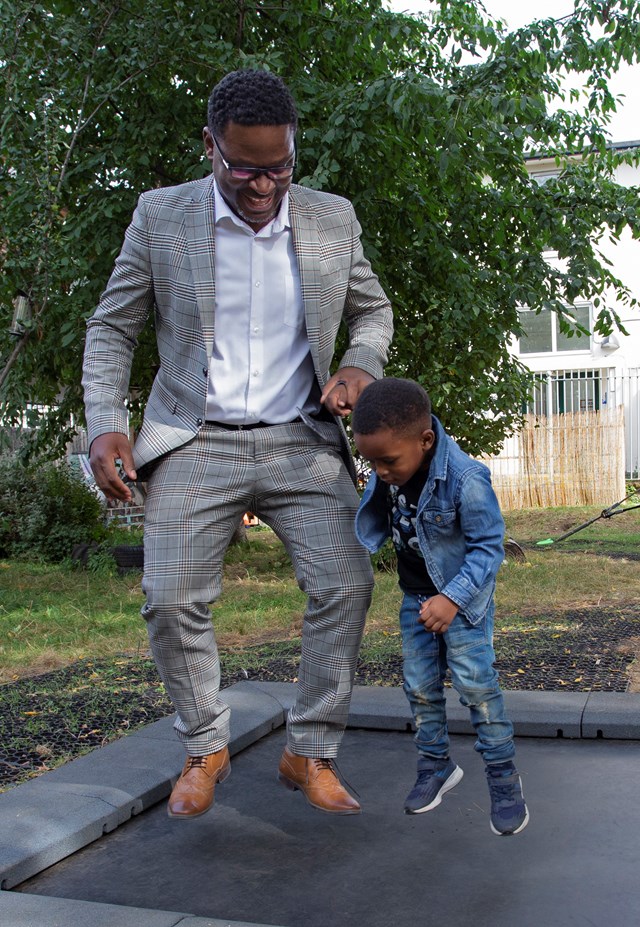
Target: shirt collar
277,224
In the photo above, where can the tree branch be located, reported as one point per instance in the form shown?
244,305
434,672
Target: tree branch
13,358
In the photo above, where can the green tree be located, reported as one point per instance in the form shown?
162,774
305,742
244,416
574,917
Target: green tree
104,100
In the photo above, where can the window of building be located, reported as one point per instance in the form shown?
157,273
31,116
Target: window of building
542,334
541,177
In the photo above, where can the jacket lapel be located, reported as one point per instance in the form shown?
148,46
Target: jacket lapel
200,228
304,226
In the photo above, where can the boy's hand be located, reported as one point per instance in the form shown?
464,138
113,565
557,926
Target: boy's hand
437,613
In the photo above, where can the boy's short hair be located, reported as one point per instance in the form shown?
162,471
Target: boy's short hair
250,98
394,403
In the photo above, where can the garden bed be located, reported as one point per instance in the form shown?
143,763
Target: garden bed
50,718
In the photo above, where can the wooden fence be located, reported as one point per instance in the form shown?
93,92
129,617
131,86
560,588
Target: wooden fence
577,458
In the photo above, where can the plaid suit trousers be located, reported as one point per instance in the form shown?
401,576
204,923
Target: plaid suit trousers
295,480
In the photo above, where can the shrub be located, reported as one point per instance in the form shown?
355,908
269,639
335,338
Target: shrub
386,559
45,510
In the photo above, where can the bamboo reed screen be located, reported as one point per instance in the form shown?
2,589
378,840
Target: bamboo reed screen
577,458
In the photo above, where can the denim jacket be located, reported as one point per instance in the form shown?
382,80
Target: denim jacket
458,524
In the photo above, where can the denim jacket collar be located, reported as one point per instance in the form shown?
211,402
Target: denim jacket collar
439,461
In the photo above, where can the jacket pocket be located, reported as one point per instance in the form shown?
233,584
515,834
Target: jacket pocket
439,519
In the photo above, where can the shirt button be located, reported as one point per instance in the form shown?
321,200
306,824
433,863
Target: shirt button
258,283
199,421
438,517
256,373
205,371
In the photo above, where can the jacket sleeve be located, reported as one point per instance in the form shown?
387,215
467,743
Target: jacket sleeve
113,330
482,526
367,312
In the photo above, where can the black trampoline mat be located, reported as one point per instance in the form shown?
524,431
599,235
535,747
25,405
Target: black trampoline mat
263,855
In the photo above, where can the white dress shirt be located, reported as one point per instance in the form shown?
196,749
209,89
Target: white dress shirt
261,369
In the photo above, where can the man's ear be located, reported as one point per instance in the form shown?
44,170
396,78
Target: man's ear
209,146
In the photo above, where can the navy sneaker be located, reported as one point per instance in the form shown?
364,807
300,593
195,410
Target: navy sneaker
509,814
435,777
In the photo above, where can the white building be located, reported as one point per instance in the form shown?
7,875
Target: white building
590,373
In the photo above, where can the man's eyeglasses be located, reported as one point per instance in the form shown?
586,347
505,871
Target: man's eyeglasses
281,172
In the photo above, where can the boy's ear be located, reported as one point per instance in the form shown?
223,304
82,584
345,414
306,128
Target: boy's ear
428,437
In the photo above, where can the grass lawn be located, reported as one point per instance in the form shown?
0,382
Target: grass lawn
566,618
617,535
53,615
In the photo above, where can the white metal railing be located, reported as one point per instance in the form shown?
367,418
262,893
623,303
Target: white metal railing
623,389
557,392
126,516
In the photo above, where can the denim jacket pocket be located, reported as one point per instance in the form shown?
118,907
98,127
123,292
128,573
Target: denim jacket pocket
439,520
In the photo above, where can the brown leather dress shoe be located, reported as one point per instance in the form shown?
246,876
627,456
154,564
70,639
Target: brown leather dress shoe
318,781
193,792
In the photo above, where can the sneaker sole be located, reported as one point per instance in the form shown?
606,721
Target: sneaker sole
447,785
511,833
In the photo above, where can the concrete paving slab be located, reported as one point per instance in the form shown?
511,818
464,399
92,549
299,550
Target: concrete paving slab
263,856
48,818
256,710
546,714
534,714
37,911
139,768
41,825
283,692
254,713
612,715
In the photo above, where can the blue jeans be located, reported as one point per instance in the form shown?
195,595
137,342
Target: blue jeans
467,650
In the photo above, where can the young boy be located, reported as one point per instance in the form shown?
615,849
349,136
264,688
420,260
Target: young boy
437,505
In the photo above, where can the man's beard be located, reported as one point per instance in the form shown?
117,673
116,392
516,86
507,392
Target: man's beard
265,219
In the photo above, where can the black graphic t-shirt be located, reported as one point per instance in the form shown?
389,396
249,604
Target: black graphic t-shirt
402,502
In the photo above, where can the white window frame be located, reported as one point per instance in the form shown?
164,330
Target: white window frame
585,343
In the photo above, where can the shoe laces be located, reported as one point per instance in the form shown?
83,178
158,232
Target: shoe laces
196,762
325,764
332,766
503,792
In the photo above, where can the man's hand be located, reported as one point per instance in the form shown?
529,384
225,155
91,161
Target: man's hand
342,390
437,613
105,450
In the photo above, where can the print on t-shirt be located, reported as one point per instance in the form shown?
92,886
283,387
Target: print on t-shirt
403,521
413,575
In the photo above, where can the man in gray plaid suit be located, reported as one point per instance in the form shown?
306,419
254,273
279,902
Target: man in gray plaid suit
248,278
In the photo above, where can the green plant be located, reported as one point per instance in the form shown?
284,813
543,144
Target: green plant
100,562
118,535
386,559
46,511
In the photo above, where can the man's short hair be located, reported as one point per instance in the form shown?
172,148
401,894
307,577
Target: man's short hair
394,403
250,98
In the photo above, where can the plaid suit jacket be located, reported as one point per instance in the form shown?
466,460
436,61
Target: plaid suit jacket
166,267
